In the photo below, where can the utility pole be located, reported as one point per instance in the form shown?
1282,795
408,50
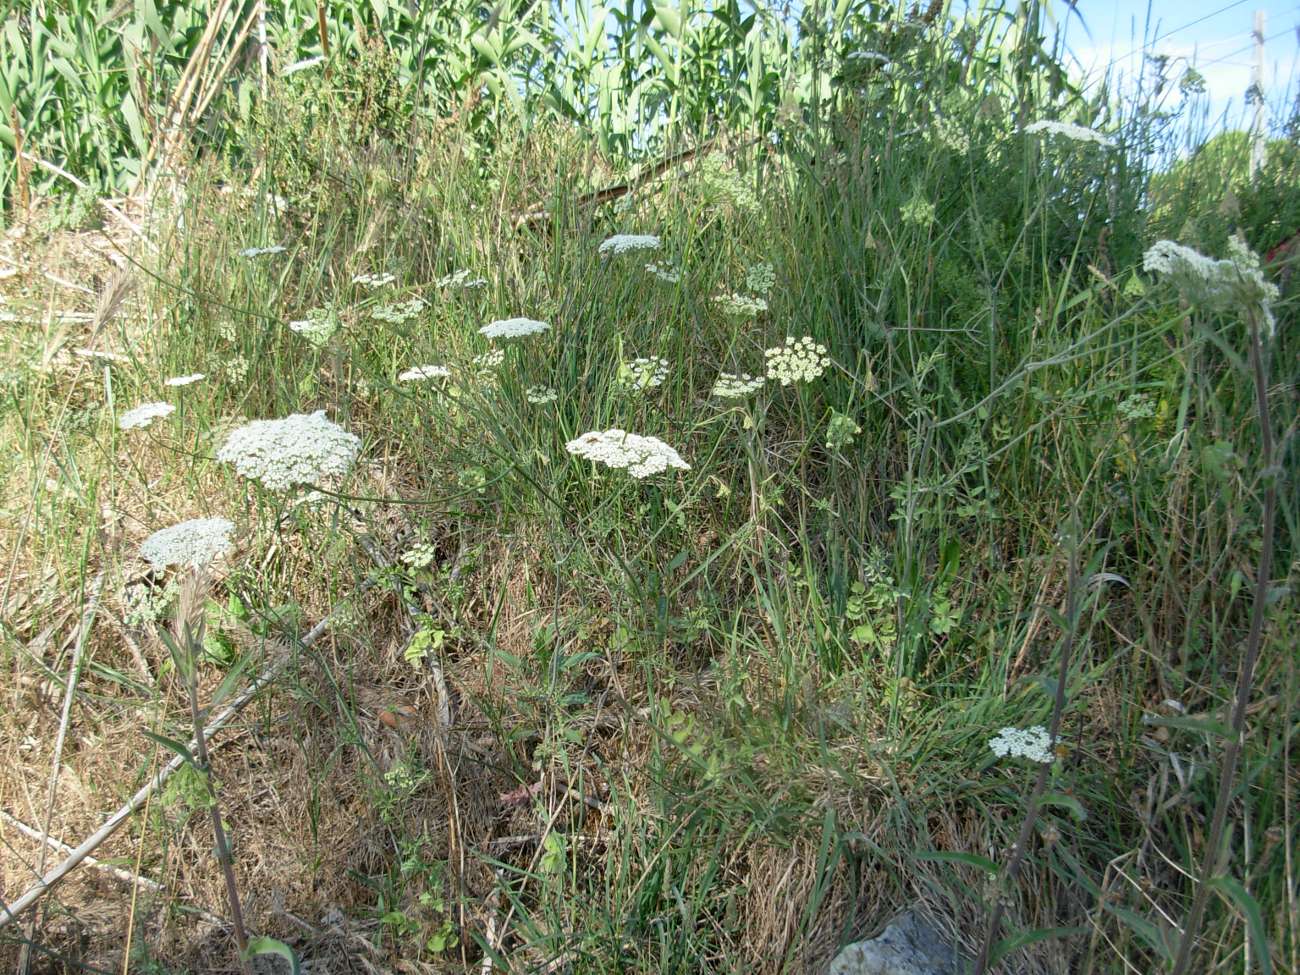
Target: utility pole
1257,150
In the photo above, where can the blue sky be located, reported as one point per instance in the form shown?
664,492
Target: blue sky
1212,35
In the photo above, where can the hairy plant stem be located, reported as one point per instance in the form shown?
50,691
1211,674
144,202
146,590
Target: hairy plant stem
1012,870
1246,676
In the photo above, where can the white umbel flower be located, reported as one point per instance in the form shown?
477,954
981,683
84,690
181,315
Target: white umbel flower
252,252
99,355
143,415
513,328
665,272
1032,743
746,306
626,243
302,448
419,373
193,377
317,328
402,311
798,361
541,395
487,361
1069,130
731,386
460,279
639,456
647,372
373,280
191,544
1222,286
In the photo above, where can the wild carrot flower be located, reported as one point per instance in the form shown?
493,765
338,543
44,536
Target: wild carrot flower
302,448
373,280
731,386
420,556
644,373
1032,743
317,328
1215,285
623,243
917,211
513,328
460,279
485,362
143,415
665,272
639,456
419,373
402,311
1069,130
191,544
840,431
540,395
235,368
798,361
759,278
193,377
741,305
252,252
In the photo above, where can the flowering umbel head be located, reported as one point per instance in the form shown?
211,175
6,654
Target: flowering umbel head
302,448
1226,285
192,544
1032,743
639,456
143,415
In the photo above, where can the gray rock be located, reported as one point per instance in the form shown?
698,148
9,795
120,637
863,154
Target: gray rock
909,945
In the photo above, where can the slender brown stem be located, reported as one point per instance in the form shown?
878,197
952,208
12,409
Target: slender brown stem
1245,678
1012,871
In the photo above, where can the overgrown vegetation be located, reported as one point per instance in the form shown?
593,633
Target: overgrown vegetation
552,715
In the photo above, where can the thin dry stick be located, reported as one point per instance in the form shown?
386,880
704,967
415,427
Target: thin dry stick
126,876
52,790
1040,785
1246,678
113,823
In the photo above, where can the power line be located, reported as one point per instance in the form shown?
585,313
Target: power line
1183,27
1242,50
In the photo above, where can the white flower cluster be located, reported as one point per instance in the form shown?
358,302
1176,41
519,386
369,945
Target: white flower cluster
744,305
373,280
302,448
489,360
1221,286
513,328
1032,743
460,279
639,456
732,386
1078,133
759,278
235,368
540,395
644,373
419,373
798,361
868,56
401,312
665,272
192,544
251,252
420,556
302,65
193,377
143,415
625,243
317,328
